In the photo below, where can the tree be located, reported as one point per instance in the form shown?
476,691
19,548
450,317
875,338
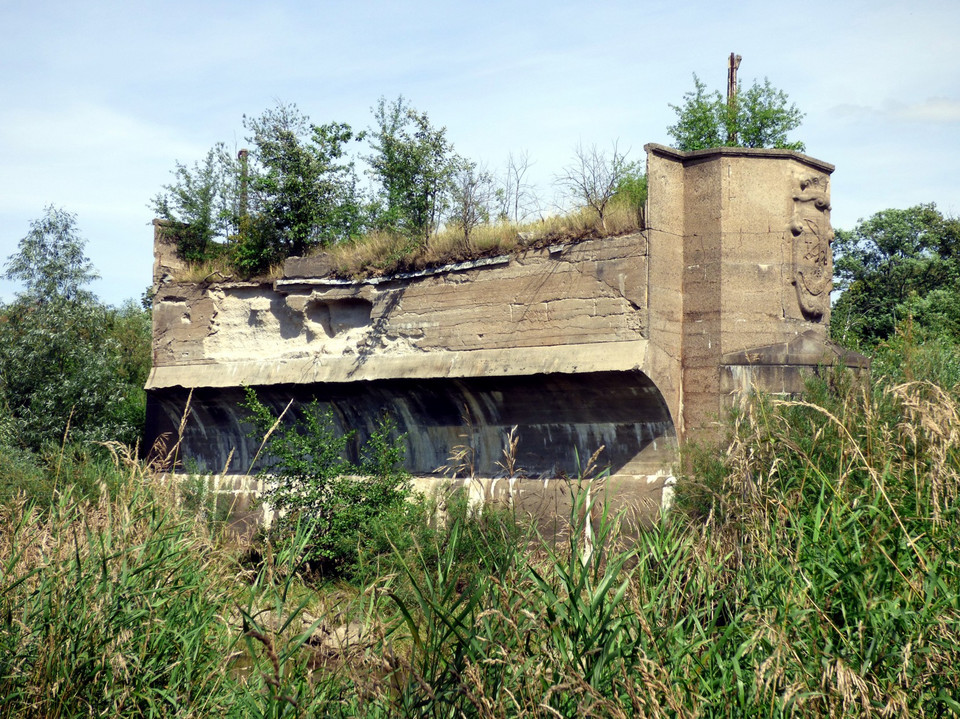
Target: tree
894,264
757,117
592,178
69,365
202,200
414,164
299,190
50,261
632,191
516,199
305,188
472,193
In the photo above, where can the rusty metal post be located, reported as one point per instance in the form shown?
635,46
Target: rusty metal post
244,197
732,64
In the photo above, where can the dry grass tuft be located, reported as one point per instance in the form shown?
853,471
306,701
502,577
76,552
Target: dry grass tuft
931,429
381,253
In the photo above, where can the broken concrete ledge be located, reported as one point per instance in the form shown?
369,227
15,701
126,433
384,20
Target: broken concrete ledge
516,361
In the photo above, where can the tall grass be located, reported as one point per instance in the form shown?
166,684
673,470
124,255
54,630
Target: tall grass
836,521
123,605
812,572
106,610
811,569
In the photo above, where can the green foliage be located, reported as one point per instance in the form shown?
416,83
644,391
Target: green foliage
68,362
840,509
299,192
759,116
303,191
95,626
819,579
913,353
897,263
50,262
590,631
631,190
415,165
346,505
701,120
545,626
41,477
124,607
202,201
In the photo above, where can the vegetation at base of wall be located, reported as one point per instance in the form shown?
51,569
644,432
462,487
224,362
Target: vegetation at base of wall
809,569
351,508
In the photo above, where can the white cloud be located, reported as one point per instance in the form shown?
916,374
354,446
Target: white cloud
934,110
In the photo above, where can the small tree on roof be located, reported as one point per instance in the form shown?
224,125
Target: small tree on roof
760,116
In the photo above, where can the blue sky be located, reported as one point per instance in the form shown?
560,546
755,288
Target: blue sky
98,100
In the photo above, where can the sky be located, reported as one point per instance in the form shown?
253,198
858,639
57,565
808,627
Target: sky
99,100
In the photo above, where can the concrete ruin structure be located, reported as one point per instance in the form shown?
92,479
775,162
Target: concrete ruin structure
635,343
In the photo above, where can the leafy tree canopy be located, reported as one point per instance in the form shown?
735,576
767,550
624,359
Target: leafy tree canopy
894,264
202,199
760,116
298,190
302,186
69,365
50,261
415,165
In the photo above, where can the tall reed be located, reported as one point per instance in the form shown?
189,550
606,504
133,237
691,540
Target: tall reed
809,570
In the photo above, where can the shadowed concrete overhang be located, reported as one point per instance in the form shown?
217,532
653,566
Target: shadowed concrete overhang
563,359
561,417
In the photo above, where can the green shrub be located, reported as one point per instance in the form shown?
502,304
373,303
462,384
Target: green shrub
69,365
347,504
39,477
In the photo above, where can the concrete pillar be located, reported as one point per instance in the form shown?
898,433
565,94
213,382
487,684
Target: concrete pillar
740,253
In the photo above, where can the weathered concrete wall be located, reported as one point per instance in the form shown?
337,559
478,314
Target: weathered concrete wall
550,340
626,342
740,280
588,293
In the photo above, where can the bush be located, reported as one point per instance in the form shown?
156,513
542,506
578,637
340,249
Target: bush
348,506
69,365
